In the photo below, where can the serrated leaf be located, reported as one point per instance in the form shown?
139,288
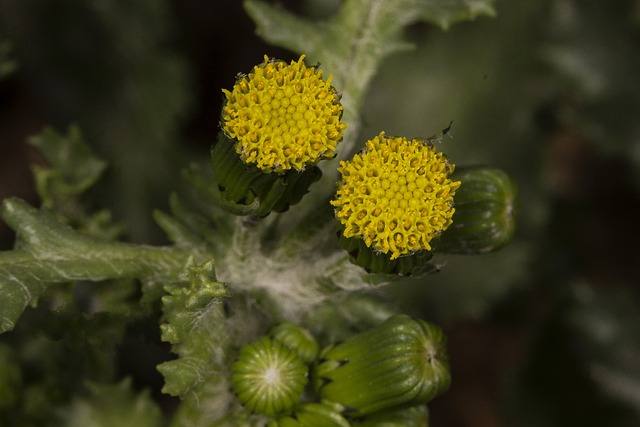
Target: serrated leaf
182,228
194,325
73,169
113,405
76,166
50,252
197,223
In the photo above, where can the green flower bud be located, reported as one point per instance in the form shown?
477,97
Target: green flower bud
401,362
297,339
312,415
415,416
484,219
268,378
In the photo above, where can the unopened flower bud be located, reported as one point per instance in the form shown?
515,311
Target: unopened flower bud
268,378
401,362
484,220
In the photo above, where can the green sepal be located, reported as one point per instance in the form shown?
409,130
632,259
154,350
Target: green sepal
246,190
415,416
379,263
399,363
297,339
312,415
230,172
485,212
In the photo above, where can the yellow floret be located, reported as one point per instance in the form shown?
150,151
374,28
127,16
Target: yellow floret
396,195
283,116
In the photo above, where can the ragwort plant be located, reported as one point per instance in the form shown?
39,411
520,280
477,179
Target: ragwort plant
267,294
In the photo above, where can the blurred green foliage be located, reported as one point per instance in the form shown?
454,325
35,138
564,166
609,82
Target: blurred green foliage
110,67
547,90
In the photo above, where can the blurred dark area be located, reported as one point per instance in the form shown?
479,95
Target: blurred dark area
545,332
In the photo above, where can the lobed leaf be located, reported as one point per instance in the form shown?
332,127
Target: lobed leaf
194,322
48,251
75,166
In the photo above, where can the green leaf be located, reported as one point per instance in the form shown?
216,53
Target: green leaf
187,228
76,167
196,222
49,252
194,323
485,212
113,405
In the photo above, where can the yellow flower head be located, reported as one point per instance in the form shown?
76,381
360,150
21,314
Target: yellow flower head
395,195
283,116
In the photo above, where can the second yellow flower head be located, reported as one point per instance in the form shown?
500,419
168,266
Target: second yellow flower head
396,195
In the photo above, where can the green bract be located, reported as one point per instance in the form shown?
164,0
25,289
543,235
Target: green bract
246,190
268,378
401,362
